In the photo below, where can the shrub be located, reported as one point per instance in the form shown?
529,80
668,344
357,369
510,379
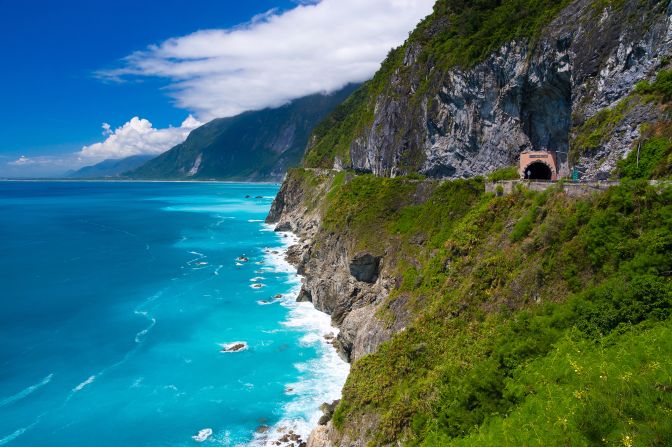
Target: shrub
508,173
651,160
660,89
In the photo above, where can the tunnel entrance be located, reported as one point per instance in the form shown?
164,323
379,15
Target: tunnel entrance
538,165
538,171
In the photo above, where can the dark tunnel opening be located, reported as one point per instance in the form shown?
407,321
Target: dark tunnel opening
538,171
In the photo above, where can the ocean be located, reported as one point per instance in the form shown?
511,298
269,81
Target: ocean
118,300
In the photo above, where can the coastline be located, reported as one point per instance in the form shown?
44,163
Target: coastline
103,180
322,378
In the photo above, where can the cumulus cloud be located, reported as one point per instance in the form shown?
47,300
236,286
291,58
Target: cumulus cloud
277,56
137,137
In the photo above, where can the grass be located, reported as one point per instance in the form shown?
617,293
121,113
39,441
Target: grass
659,90
507,173
652,160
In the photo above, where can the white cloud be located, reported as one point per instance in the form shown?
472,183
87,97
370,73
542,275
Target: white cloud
137,137
278,56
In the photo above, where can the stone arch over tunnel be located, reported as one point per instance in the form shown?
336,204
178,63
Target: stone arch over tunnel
538,170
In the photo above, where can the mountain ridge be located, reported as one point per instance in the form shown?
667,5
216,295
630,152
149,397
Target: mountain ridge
252,146
111,168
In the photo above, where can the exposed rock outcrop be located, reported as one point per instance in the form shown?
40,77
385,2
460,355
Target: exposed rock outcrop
528,95
338,280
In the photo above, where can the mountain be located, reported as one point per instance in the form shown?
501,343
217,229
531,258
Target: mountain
111,167
257,145
477,83
472,314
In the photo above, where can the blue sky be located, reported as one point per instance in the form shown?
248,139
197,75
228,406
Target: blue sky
70,66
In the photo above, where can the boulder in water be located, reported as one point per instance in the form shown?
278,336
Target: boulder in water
237,346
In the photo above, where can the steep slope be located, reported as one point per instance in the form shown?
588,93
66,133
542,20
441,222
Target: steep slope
471,319
112,167
258,145
479,82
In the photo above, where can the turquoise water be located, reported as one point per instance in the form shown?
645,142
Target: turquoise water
116,300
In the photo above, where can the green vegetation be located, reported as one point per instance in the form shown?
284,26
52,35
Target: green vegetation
332,136
508,173
655,160
458,33
372,208
597,130
659,90
474,30
540,319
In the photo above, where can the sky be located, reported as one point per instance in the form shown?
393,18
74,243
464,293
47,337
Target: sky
87,80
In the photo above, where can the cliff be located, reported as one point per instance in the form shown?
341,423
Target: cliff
535,318
253,146
477,84
472,318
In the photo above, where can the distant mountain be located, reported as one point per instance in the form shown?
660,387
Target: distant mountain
258,145
111,168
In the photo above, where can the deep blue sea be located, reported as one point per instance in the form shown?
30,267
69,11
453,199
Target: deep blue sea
116,300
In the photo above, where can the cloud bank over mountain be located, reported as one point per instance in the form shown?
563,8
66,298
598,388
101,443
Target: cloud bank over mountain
318,46
278,56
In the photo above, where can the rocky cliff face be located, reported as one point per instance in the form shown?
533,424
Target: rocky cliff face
469,122
530,94
339,280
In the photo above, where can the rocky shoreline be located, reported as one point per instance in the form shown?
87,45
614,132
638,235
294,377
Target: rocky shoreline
337,279
287,433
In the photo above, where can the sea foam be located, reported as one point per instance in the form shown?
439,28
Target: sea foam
82,385
26,391
321,379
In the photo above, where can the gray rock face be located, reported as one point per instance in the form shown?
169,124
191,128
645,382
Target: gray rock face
338,280
601,163
523,97
364,267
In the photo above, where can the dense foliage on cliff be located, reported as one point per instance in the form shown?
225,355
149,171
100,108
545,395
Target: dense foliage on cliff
458,33
539,319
